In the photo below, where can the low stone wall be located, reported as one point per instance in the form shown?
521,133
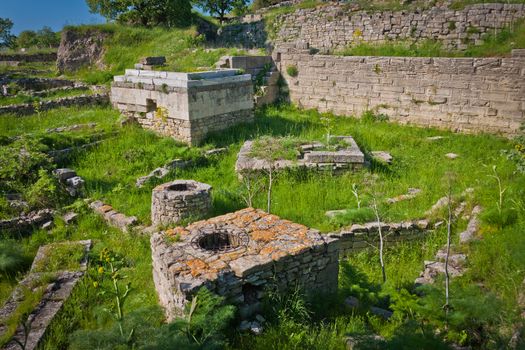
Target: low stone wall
25,223
83,100
55,293
462,94
360,237
113,217
24,57
40,84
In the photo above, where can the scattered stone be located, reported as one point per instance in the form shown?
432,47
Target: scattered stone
382,156
153,61
161,172
74,127
352,302
48,225
451,155
64,174
386,314
75,186
70,217
215,151
333,213
412,193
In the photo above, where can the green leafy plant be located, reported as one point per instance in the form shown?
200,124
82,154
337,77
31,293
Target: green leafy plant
292,70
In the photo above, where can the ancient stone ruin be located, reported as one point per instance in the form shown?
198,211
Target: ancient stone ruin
185,106
178,200
312,155
238,256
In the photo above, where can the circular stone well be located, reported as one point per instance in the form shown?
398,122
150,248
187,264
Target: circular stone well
177,200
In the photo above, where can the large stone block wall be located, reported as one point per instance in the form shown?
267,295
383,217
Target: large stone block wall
463,94
336,25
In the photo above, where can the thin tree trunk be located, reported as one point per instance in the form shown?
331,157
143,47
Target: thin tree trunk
447,276
270,181
381,242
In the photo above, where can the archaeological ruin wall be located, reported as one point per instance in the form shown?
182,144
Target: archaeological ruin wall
462,94
335,25
185,106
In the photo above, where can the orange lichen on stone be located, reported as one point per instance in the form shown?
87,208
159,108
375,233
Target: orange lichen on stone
105,208
263,235
197,266
297,249
267,250
179,230
278,255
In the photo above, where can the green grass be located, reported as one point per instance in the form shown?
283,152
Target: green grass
61,257
111,169
12,125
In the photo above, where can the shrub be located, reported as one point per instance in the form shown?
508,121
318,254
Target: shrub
45,192
292,70
372,117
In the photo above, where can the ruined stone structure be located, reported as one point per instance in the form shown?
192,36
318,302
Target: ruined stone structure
55,291
265,75
463,94
336,25
237,256
30,108
185,106
311,157
178,200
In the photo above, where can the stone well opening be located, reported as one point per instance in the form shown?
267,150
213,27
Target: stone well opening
217,241
181,187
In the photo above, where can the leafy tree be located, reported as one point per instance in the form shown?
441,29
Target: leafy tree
45,37
27,38
169,13
222,7
6,38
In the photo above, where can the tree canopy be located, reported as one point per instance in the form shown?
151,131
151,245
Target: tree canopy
221,7
169,13
6,38
42,38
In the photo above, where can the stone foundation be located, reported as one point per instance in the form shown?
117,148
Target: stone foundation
239,256
178,200
185,106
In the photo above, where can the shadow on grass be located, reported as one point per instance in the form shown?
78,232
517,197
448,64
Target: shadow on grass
263,125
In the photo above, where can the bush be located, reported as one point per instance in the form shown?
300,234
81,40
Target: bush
45,192
292,70
372,117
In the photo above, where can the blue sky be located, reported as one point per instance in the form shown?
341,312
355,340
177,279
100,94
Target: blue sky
34,14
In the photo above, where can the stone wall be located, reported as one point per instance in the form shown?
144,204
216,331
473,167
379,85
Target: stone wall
360,237
238,256
463,94
336,25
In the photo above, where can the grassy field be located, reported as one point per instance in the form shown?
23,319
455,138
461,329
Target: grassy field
111,169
